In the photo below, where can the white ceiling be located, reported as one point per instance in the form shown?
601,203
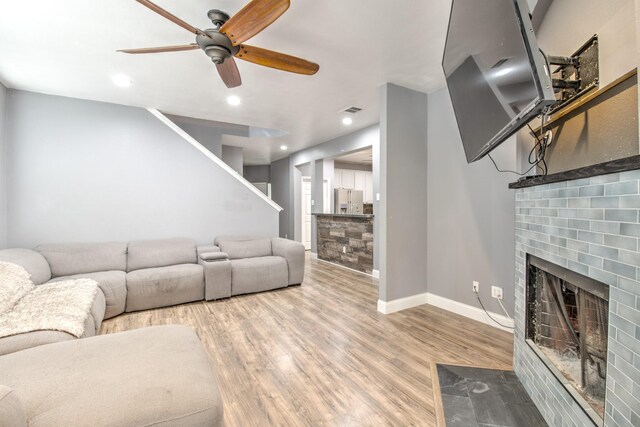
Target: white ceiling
68,47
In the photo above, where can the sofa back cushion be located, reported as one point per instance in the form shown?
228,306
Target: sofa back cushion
161,253
239,248
32,261
12,412
66,259
15,283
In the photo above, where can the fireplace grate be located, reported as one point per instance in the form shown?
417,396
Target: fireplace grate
567,319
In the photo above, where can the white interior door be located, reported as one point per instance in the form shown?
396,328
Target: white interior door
306,212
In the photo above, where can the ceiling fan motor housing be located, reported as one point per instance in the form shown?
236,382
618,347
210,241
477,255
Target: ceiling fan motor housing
218,17
216,45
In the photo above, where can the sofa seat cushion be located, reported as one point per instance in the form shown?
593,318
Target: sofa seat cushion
160,253
151,376
37,338
164,286
113,285
12,411
258,274
238,249
66,259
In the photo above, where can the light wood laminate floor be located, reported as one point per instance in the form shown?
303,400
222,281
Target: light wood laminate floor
320,353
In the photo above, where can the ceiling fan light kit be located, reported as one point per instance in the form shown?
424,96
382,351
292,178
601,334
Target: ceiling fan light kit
225,41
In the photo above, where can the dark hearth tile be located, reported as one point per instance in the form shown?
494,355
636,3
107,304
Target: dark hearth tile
451,383
458,411
527,415
474,373
497,397
488,404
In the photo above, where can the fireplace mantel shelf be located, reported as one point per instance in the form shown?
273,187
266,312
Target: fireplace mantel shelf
613,166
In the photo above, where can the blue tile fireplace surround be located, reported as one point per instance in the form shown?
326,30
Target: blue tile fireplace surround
590,226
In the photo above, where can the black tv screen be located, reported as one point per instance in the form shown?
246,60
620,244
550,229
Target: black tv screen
497,76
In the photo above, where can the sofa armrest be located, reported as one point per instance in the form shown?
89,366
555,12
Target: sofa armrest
214,256
293,252
217,275
206,248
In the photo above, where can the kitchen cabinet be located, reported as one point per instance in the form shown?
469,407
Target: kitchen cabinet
348,179
355,180
359,181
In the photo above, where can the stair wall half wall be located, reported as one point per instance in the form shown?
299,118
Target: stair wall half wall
79,171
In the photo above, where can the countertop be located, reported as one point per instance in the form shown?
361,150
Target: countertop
345,215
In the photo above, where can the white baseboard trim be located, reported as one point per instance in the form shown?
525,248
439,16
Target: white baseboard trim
342,266
469,311
376,274
388,307
314,255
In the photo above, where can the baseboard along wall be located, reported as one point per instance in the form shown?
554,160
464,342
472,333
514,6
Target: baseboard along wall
475,313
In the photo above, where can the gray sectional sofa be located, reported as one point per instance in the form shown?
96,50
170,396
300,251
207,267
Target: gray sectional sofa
159,375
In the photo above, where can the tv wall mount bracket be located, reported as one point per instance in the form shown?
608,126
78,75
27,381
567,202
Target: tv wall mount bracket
575,75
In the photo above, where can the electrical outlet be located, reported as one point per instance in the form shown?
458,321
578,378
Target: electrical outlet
476,287
344,249
496,292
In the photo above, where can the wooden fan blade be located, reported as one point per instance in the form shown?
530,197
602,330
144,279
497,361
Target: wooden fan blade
277,60
191,46
253,18
229,73
171,17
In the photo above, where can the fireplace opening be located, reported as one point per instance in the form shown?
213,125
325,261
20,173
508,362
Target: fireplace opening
567,319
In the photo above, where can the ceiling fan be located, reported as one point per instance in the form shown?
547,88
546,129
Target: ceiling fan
226,40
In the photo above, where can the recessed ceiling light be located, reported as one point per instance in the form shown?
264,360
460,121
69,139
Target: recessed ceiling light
283,147
233,100
121,80
347,121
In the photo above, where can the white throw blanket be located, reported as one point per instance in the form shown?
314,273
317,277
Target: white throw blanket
61,306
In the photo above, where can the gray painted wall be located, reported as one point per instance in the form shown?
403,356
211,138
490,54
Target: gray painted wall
638,50
258,173
90,171
354,141
3,166
615,22
328,171
233,157
210,138
471,214
403,186
281,192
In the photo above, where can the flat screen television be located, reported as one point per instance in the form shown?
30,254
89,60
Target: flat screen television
497,76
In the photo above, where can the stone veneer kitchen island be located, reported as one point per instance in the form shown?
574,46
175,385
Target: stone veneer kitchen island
346,239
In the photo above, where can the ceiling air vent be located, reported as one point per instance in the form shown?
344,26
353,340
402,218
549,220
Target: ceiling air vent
352,110
499,63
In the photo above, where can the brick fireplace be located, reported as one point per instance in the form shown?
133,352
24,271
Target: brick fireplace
588,227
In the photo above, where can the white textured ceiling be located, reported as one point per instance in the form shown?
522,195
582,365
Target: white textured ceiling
68,47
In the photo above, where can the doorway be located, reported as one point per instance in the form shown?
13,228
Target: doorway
306,212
